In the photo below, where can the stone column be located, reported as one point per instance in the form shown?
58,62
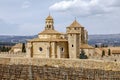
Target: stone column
28,53
58,52
48,52
53,50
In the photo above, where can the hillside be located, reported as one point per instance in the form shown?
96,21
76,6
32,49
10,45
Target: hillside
109,39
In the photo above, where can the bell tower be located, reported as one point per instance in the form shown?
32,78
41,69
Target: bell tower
74,39
49,24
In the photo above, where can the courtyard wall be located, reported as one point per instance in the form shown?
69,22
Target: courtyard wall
58,69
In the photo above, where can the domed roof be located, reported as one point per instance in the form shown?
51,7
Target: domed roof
49,32
49,18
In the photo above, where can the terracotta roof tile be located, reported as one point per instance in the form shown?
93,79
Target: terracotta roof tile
86,46
49,32
75,24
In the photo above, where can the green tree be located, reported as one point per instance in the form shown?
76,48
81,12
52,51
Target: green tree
7,49
109,52
103,53
82,55
3,49
0,48
23,47
96,46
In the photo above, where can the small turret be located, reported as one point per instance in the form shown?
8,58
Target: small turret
49,23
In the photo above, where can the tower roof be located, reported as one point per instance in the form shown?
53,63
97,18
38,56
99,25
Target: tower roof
75,24
49,32
49,18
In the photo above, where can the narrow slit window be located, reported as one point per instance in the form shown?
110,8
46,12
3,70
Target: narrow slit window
72,45
62,49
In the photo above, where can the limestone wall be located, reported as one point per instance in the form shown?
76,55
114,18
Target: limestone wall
32,72
57,69
91,64
7,54
37,52
63,53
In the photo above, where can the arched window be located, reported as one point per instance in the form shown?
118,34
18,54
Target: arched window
47,26
71,34
40,49
62,49
75,28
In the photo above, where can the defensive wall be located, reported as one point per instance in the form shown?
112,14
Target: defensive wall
58,69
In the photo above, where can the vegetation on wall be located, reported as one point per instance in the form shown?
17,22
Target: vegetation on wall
23,47
4,49
82,55
103,53
109,52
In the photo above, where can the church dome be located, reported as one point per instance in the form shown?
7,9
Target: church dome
49,18
49,32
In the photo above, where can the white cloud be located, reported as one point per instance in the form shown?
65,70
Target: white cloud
26,4
86,7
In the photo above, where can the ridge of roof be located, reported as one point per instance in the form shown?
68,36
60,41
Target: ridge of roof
75,24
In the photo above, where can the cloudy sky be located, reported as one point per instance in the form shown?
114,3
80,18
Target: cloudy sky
27,17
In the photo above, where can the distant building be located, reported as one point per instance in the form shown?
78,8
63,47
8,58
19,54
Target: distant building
53,44
16,48
116,52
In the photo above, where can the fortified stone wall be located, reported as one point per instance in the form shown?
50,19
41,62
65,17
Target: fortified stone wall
32,72
8,54
57,69
91,64
106,58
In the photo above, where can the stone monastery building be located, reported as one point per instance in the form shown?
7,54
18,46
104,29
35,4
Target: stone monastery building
53,44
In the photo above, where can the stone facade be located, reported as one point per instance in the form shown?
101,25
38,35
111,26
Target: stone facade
49,49
33,72
52,44
57,69
111,54
68,63
16,48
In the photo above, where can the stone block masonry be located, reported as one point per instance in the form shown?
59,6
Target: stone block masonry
30,72
57,69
